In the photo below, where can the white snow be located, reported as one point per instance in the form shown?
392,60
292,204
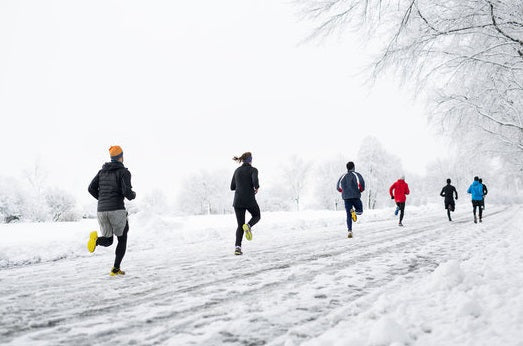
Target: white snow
301,281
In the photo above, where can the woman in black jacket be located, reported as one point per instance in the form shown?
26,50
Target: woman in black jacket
245,184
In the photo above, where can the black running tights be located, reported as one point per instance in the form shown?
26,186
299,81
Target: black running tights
477,204
120,248
401,206
240,218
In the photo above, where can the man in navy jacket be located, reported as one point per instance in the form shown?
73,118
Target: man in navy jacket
351,185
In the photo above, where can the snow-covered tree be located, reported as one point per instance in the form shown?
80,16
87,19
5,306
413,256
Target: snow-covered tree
35,206
295,174
62,205
36,176
12,200
155,201
379,169
466,55
206,192
326,175
274,197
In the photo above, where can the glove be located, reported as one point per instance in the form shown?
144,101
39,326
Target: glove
391,197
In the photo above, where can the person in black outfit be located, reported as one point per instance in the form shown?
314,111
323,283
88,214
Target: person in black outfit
448,192
485,191
110,185
245,184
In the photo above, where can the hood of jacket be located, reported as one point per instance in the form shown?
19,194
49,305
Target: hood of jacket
112,166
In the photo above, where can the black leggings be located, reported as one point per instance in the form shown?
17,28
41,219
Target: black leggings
240,218
401,207
120,248
477,204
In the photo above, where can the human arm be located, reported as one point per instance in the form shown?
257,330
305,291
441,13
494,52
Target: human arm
456,192
442,194
93,186
127,188
338,184
391,190
407,191
362,183
233,182
255,181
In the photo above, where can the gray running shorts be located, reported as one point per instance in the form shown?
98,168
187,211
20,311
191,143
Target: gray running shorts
112,222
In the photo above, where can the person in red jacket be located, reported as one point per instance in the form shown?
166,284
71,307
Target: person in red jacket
398,192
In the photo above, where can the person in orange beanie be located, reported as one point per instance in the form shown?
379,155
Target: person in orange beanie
110,186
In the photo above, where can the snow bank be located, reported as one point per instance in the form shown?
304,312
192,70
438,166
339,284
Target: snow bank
30,243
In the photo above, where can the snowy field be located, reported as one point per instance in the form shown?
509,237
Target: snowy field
300,281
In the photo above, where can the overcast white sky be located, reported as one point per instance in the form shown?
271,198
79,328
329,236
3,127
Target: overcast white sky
183,86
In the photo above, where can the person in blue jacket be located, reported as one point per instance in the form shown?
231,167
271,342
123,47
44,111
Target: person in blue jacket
476,190
351,185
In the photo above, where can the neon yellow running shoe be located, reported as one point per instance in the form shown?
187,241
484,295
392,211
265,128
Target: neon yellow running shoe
91,243
116,272
353,215
247,230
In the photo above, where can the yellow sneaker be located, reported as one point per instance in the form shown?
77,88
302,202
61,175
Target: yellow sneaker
116,272
247,230
91,243
353,215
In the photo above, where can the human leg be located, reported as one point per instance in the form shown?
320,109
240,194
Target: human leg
255,215
240,219
481,206
401,206
358,206
348,207
106,229
121,248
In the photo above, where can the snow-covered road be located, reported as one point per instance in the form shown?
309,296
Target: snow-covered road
300,281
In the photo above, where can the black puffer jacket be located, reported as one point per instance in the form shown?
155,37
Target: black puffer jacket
111,185
245,182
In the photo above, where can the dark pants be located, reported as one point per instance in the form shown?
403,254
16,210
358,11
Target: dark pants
477,204
401,207
120,248
450,206
240,218
358,208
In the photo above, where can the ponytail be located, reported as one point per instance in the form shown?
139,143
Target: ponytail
245,157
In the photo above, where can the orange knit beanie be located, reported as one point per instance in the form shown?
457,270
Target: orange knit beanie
115,152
